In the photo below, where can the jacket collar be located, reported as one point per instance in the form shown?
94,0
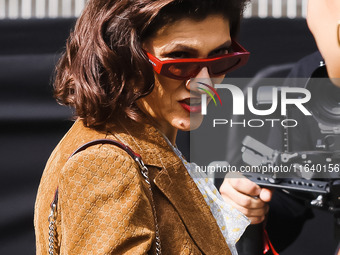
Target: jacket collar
147,141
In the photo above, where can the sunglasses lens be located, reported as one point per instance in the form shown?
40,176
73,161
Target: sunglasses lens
225,65
183,69
217,67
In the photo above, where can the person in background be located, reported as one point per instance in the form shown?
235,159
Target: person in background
126,71
324,22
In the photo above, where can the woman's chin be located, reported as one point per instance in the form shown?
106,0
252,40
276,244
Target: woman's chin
188,124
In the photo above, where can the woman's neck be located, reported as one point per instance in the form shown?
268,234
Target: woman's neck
170,134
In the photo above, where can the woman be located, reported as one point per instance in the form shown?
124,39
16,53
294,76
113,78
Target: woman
324,22
126,71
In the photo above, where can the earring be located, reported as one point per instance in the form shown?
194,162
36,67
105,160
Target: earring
338,32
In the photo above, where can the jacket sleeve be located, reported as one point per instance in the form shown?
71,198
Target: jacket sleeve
103,204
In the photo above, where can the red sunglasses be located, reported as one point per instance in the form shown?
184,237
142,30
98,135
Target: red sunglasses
186,68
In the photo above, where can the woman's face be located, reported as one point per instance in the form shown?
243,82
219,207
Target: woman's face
168,103
323,19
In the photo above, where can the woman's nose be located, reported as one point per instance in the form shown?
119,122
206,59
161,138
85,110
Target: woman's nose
202,77
203,74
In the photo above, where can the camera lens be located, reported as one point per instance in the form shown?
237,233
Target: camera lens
325,101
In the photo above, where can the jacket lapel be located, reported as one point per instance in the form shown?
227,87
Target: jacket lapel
177,185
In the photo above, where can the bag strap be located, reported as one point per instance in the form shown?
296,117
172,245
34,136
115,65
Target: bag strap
144,171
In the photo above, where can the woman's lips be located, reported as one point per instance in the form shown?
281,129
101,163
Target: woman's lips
193,107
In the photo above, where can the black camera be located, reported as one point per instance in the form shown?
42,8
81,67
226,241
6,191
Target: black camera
312,174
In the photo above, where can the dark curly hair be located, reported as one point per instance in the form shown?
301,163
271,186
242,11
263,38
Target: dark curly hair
104,70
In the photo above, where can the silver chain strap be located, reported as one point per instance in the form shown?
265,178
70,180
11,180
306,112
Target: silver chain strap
145,173
52,231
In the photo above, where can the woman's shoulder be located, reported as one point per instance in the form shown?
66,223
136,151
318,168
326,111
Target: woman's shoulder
93,151
98,157
77,136
101,157
100,167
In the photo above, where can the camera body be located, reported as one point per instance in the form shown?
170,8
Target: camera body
313,175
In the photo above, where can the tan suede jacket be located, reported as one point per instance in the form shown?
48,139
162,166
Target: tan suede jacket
104,205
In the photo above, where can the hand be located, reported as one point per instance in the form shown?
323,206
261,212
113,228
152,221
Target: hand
247,197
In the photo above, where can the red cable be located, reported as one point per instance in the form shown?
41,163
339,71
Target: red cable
267,245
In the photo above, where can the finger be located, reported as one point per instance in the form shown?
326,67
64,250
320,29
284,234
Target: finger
249,212
229,193
256,220
255,216
245,186
266,194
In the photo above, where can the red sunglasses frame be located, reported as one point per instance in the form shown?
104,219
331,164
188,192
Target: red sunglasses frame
162,67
